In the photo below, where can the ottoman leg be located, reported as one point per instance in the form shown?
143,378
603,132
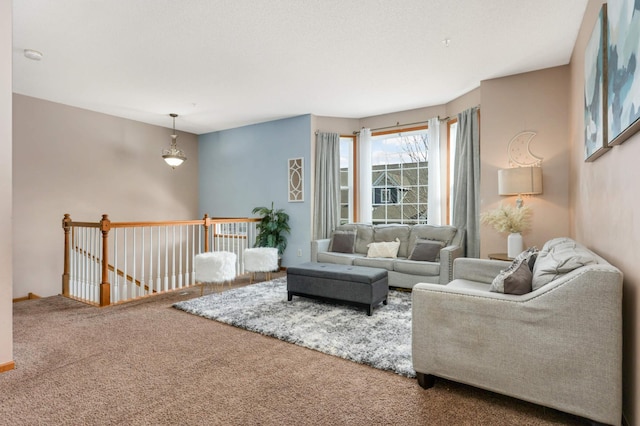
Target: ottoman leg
370,310
289,296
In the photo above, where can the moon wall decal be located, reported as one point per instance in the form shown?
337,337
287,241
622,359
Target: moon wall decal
519,150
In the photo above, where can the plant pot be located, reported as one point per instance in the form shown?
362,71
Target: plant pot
514,244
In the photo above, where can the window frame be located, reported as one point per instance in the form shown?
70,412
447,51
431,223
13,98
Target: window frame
449,165
451,144
400,199
352,179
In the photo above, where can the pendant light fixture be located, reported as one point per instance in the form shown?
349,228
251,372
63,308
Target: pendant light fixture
173,155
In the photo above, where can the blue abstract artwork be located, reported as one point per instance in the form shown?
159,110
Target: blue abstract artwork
623,103
595,91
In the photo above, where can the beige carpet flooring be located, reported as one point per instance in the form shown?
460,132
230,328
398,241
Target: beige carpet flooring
146,363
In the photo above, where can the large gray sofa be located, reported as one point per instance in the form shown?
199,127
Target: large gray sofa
402,272
559,345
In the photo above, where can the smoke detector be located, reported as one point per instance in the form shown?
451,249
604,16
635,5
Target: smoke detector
32,54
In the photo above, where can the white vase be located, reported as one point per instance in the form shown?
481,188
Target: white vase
514,244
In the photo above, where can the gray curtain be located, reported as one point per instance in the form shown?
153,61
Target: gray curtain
327,185
466,184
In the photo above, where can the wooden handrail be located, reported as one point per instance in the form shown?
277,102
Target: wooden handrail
211,220
84,224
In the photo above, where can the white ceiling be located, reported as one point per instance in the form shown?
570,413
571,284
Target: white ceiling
225,63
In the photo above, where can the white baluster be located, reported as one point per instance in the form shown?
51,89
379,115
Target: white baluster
166,258
173,257
91,267
180,259
134,287
125,289
187,278
115,283
159,276
142,290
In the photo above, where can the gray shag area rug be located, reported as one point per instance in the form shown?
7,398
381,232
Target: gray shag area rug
382,340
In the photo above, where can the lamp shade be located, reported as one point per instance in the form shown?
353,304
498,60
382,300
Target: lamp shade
174,160
520,180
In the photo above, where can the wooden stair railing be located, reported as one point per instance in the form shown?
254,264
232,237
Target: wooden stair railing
112,268
88,249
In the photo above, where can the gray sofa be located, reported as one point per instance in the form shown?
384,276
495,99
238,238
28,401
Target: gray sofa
402,272
559,345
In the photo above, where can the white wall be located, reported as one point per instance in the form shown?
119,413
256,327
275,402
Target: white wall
70,160
6,310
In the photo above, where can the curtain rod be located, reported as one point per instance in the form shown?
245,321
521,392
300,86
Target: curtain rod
396,125
447,118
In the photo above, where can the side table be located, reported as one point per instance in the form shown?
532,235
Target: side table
500,256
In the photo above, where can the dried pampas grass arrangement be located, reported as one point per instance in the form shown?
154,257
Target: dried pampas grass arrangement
508,218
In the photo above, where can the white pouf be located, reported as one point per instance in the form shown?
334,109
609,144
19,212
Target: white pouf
215,267
260,259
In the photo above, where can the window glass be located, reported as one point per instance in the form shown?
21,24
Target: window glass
346,179
400,177
452,137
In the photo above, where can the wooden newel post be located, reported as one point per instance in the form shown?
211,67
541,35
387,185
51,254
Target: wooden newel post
105,287
66,225
206,223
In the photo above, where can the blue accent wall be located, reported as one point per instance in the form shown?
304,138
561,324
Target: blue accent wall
246,167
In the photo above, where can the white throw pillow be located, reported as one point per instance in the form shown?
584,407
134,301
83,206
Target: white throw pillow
384,249
559,260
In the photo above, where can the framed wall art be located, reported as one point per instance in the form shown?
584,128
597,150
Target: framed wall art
296,180
595,90
623,54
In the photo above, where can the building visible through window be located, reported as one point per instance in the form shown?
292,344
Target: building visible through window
400,177
400,166
346,179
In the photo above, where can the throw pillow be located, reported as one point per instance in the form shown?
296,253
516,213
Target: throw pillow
343,241
561,259
426,250
516,279
384,249
529,256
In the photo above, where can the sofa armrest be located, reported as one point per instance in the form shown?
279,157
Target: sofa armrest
447,256
480,270
318,246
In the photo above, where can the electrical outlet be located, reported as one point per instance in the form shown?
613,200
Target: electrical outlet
299,252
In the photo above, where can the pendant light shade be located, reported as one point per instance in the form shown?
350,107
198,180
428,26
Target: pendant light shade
173,155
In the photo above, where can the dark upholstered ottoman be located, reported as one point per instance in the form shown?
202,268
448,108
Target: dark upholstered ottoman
357,285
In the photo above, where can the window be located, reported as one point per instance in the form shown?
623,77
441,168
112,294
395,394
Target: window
452,133
399,176
385,196
346,179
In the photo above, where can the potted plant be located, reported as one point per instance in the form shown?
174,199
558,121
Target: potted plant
273,226
513,220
